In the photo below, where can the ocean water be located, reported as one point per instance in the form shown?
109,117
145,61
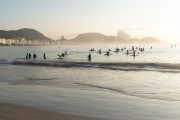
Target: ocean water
152,74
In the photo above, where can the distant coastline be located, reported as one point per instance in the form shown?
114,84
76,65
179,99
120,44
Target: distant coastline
31,37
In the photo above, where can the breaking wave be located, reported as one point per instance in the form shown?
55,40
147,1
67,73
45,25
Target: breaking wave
5,62
168,96
32,78
122,66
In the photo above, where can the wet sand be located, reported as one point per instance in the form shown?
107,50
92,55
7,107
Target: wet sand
90,104
18,112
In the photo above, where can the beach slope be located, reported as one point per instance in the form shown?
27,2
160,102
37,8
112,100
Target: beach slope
18,112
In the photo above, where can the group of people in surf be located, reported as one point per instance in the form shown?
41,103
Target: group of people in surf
134,51
29,56
60,56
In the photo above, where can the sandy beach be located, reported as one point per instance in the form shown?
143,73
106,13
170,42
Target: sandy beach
18,112
100,105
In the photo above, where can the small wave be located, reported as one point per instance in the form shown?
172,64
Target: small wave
102,87
5,62
144,69
149,95
122,66
31,78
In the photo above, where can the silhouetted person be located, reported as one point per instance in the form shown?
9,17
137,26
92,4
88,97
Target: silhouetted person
44,55
60,56
117,50
34,56
132,48
89,57
99,51
134,54
91,50
127,52
29,55
107,53
63,55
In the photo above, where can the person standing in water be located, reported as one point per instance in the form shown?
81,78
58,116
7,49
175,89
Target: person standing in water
29,55
127,52
134,54
34,56
44,56
99,51
89,57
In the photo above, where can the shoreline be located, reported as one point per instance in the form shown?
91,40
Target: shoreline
20,112
59,92
74,104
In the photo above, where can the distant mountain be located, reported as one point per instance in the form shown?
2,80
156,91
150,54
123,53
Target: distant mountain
28,34
91,38
149,40
86,38
96,38
123,35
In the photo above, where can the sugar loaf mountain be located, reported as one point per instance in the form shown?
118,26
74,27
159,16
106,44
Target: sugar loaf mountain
28,36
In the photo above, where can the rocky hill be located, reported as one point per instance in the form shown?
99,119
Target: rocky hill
123,35
149,40
28,34
96,38
121,38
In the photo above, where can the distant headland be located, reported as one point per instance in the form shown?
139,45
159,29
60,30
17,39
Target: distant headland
28,36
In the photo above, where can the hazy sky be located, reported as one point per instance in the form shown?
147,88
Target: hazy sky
140,18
